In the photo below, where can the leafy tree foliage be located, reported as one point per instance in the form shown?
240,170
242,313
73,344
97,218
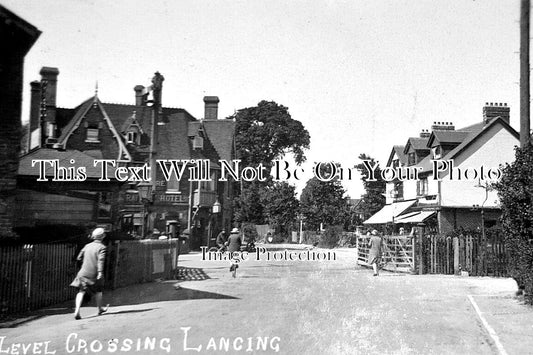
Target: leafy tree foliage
324,202
280,206
374,198
515,190
264,133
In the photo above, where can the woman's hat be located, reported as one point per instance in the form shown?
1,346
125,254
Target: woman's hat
98,234
235,230
375,232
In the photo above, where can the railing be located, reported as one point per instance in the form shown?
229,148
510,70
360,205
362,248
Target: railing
34,276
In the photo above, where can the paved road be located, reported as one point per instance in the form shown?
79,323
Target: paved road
305,307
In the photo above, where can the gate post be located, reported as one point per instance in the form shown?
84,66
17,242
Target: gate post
456,269
420,234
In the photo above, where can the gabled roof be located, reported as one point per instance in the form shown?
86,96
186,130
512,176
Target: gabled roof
64,157
417,143
447,137
398,150
221,133
471,134
74,123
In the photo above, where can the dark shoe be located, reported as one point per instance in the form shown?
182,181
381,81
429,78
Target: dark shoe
103,310
376,275
77,317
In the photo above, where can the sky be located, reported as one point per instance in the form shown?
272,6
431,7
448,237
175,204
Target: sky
360,75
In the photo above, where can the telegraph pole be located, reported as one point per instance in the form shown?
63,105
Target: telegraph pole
524,74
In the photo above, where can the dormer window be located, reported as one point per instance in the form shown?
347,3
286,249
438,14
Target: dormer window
411,158
396,163
131,137
437,152
92,135
198,142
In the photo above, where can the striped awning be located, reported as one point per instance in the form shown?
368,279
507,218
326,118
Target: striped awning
418,217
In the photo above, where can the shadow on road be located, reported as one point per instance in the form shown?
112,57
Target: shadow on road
158,292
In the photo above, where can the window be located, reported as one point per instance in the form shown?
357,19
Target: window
92,135
398,187
210,185
131,137
422,187
198,143
437,152
173,185
396,163
411,159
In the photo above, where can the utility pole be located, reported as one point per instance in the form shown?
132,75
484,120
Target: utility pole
524,74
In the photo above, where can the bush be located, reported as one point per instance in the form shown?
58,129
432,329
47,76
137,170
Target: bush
331,236
515,190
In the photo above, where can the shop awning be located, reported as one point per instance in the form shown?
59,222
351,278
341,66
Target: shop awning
415,218
389,213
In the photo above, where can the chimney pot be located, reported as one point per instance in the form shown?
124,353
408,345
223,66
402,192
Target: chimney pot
140,97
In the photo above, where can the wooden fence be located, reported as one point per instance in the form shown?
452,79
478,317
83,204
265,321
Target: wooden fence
436,254
35,276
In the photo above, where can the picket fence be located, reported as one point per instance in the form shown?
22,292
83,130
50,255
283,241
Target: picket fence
36,276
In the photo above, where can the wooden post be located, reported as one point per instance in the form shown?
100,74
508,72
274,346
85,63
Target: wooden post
420,235
456,270
524,74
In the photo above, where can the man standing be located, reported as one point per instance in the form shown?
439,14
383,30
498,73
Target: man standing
374,255
221,240
90,278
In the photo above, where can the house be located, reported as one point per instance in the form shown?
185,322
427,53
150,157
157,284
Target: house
136,136
454,168
18,36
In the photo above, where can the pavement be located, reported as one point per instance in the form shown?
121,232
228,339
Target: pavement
289,307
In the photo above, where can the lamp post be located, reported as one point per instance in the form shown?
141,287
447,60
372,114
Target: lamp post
145,194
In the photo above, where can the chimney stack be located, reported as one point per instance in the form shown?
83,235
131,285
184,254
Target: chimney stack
211,107
49,95
443,126
496,109
424,133
140,95
35,111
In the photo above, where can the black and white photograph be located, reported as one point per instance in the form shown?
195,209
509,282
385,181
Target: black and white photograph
266,177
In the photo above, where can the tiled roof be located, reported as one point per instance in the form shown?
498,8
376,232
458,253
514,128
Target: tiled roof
469,134
221,134
64,157
448,136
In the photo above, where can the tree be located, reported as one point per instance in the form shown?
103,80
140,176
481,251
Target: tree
515,190
374,198
280,206
267,132
324,202
264,133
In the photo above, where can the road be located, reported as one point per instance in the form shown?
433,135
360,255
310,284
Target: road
289,307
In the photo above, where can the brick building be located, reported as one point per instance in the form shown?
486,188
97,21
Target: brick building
18,36
135,136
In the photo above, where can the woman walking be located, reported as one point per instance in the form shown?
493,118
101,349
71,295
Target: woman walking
234,245
90,278
374,255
